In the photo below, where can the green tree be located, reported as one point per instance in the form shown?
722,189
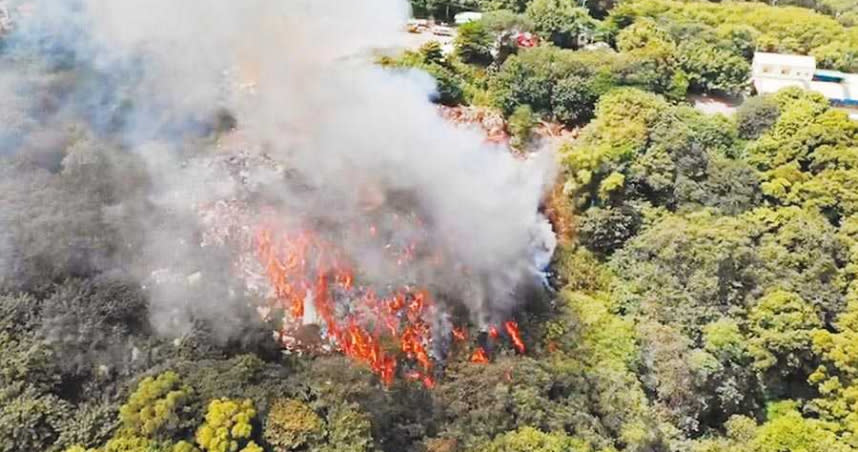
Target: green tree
738,39
90,425
606,230
520,124
443,10
756,116
641,34
782,325
449,85
836,378
528,439
292,425
807,157
573,99
349,429
432,53
790,431
616,136
159,407
711,69
561,22
30,420
228,427
474,43
837,55
653,59
687,270
517,6
769,26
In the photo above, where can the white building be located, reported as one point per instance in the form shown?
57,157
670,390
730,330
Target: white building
783,67
467,16
771,72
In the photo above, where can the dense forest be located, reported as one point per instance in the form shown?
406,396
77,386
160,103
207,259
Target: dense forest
705,291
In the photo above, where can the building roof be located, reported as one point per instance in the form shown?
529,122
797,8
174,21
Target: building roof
830,73
768,85
783,59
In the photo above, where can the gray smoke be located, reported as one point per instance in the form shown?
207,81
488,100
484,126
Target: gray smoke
132,92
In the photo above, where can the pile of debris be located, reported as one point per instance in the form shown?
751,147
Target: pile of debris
550,131
491,122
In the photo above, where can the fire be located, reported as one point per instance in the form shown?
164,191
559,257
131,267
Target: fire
479,356
301,267
311,278
512,329
493,332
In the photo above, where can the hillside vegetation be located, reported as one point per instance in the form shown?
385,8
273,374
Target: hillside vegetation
706,301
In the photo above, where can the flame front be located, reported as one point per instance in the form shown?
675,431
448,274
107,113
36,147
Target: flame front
302,267
305,271
512,329
479,356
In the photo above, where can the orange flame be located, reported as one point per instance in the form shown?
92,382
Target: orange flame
479,356
493,332
512,329
301,265
304,268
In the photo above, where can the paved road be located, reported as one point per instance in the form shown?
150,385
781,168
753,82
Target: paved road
416,40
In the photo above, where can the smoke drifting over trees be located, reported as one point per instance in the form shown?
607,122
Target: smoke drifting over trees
109,149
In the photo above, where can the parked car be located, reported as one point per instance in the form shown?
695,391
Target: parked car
441,30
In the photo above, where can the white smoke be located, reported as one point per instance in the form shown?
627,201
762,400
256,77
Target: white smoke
320,107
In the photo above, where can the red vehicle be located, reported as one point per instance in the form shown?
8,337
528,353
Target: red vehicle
526,39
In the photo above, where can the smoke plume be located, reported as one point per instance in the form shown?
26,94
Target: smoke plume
109,150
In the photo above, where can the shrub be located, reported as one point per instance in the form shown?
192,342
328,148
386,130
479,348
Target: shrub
756,116
474,43
90,426
521,124
227,426
29,420
605,230
158,408
292,425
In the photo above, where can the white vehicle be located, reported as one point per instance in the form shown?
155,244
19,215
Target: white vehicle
440,30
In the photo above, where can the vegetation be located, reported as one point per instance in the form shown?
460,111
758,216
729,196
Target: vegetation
707,299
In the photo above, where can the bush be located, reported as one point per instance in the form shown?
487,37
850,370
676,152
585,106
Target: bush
605,230
574,99
432,52
756,116
561,22
158,408
227,426
521,124
711,69
474,43
449,85
19,313
27,359
349,429
90,322
30,420
292,425
90,426
529,439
